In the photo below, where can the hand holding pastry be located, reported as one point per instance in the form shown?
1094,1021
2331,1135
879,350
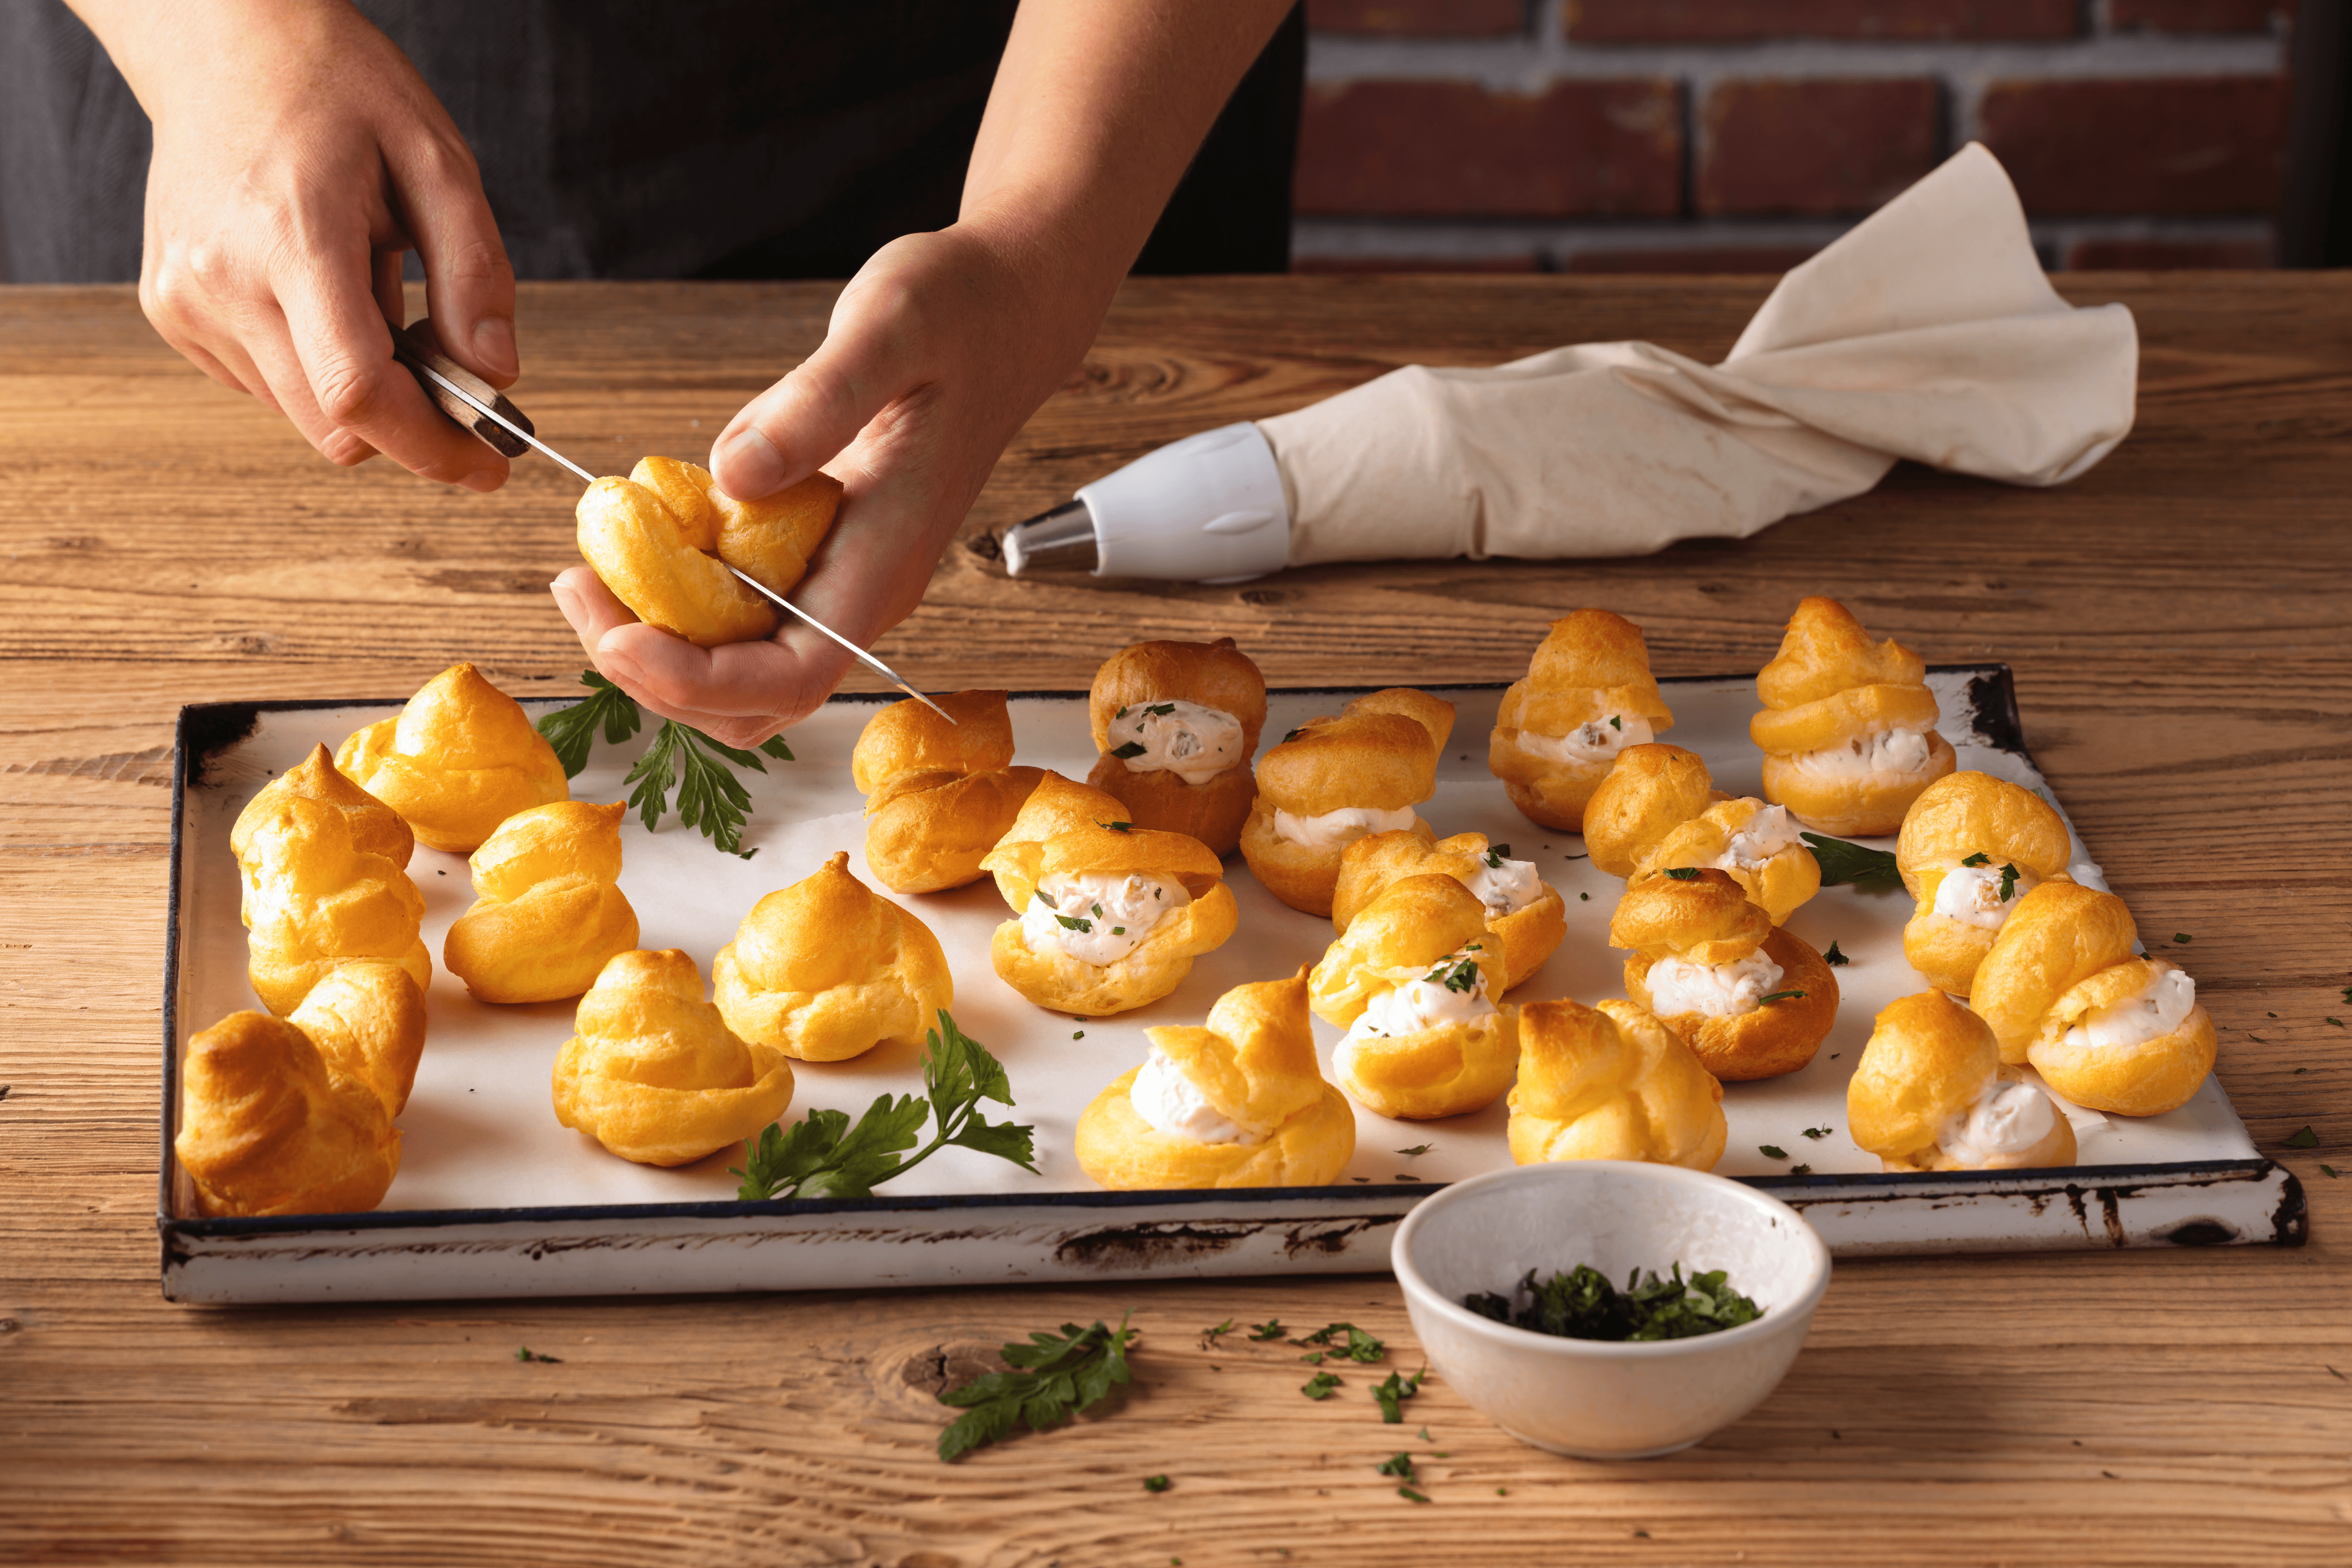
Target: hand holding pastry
460,758
1751,999
1177,724
1930,1094
1611,1082
1525,913
549,912
1588,695
1106,919
1333,781
315,900
1848,729
1237,1102
1971,845
939,796
827,969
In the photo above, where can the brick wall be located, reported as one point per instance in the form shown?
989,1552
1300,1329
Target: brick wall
1742,135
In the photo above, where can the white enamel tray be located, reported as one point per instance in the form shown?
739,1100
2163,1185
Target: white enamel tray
494,1198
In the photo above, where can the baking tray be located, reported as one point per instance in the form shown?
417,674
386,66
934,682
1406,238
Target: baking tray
494,1198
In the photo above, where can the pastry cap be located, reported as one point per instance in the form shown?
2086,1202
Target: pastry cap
1433,714
367,1020
827,968
1707,919
563,838
267,1128
1592,664
1021,865
1844,716
2057,936
461,758
315,900
663,538
906,738
925,832
1778,885
1377,759
1371,864
377,828
551,912
1928,1057
1397,937
2147,1078
1649,791
1213,675
1971,813
1825,651
1611,1082
1254,1060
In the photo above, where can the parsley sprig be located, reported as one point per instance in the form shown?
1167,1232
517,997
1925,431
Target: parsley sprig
1053,1377
1840,862
710,798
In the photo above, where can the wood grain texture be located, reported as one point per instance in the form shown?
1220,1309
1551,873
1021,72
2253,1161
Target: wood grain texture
2178,620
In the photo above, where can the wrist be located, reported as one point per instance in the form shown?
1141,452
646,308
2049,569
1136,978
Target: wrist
174,56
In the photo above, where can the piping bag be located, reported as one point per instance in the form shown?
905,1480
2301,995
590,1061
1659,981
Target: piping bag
1927,331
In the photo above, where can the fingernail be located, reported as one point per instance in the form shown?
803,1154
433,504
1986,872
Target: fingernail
482,481
494,346
749,466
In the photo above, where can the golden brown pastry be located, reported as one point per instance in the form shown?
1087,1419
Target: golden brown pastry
1525,913
1237,1102
937,794
1177,724
1105,920
1412,981
1333,781
367,1020
1848,730
548,912
1971,845
2062,990
457,761
1611,1082
827,969
1755,844
1753,1000
654,1073
1930,1094
1055,806
315,900
1648,791
1588,694
377,828
663,538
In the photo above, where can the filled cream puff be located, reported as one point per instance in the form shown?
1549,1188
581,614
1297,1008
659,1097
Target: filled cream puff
315,900
1971,845
1238,1102
1105,918
1525,912
1753,1000
1648,791
1930,1094
1333,781
458,760
1848,730
1588,695
1413,981
827,969
655,1074
1611,1082
938,795
1056,805
2061,989
1754,844
548,912
1177,724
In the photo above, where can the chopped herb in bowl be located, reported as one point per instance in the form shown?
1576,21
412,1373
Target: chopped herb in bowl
1581,1304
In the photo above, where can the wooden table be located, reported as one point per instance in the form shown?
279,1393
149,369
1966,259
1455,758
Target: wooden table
2178,621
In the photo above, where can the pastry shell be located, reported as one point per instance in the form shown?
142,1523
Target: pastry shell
1828,686
1779,884
1928,1060
1592,664
549,913
1651,790
1055,806
1368,866
1960,816
2143,1080
1444,1071
2058,935
377,828
1709,920
664,538
1379,752
827,969
1157,965
1611,1082
1213,675
458,760
939,796
314,901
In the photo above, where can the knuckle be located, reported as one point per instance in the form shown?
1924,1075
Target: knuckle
350,393
479,261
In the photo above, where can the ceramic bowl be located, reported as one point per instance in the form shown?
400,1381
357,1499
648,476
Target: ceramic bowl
1593,1399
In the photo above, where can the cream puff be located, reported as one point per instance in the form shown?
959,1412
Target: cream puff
367,1020
1334,780
1611,1082
1753,1000
1525,912
2062,990
1238,1102
1930,1094
1971,845
1755,844
1106,919
458,760
654,1073
548,912
316,900
1413,981
1055,806
1588,695
1648,791
377,828
827,969
938,795
1848,730
1177,724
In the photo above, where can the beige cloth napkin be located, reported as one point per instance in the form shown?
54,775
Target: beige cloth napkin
1928,332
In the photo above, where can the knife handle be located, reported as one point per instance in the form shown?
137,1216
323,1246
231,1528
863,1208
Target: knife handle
412,346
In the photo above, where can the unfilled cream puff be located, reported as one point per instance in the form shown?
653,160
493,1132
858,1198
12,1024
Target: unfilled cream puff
1177,724
827,969
1413,981
1238,1102
1334,780
1588,695
1755,844
377,828
664,538
1648,791
548,911
939,796
2062,990
1971,845
458,760
654,1073
315,900
1611,1082
1106,919
1930,1094
1525,912
1848,730
1753,1000
367,1019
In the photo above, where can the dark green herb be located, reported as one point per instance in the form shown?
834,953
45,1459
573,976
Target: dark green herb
2331,1171
1121,713
1321,1385
1583,1305
1132,749
1417,1149
1271,1329
2182,936
1683,873
1409,1495
2008,883
1842,863
1399,1466
711,799
1155,1483
1497,855
1360,1346
1392,1394
1313,1358
1778,996
2306,1139
1615,723
2337,1022
1075,922
1424,1436
1817,1133
1979,858
1462,975
1771,1150
1160,710
1117,826
1210,1336
527,1353
1584,898
1077,1033
571,732
1800,1170
1292,735
1835,959
1053,1377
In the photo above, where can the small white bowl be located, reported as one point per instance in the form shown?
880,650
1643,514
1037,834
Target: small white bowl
1596,1399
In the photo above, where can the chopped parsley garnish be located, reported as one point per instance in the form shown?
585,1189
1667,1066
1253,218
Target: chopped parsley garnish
2182,936
1616,723
1292,735
1778,996
1118,930
1039,894
1399,1466
2008,883
1075,922
1497,855
2306,1139
1052,1377
1979,858
1683,873
1835,959
1132,749
1117,826
1842,863
2337,1022
1271,1329
1313,1358
1160,710
1455,976
1800,1170
1409,1495
1817,1133
1097,909
1321,1385
1122,711
1583,1305
1584,898
527,1353
1078,1034
1392,1394
1155,1483
1209,1336
2330,1170
1360,1346
1771,1150
1416,1149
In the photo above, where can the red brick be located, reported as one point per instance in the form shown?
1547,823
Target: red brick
1695,258
1419,18
1813,147
1725,21
1453,149
2168,255
2201,15
2195,145
1338,264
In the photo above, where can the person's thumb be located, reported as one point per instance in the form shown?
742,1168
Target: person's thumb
865,362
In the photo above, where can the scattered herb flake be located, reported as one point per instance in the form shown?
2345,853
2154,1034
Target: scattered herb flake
2306,1139
1394,1393
2337,1022
1360,1346
1582,1304
1321,1385
1818,1134
1800,1170
1210,1336
2334,1373
1842,863
2008,883
527,1353
2331,1171
1117,826
1416,1149
1271,1329
1052,1377
1835,959
1778,996
1291,735
1771,1150
1313,1358
1497,855
1409,1495
1424,1436
1683,873
2182,936
1161,710
1616,723
1075,922
1584,898
1155,1483
1979,858
1132,749
1398,1465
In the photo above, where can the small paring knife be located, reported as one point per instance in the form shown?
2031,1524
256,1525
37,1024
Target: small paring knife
482,410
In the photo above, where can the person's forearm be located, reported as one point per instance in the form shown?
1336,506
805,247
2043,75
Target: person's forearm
161,49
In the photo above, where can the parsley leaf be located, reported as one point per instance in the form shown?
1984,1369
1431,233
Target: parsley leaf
1132,749
1841,863
1771,1150
2306,1139
2331,1171
2008,883
1209,1336
1583,1305
1360,1345
711,799
1161,710
1778,996
1979,858
1271,1329
1117,826
1835,959
571,732
1293,735
1321,1385
2182,936
1409,1495
1399,1466
1683,873
527,1353
1800,1170
1155,1483
1394,1392
1076,922
1616,723
1817,1133
1052,1377
1497,855
1417,1149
